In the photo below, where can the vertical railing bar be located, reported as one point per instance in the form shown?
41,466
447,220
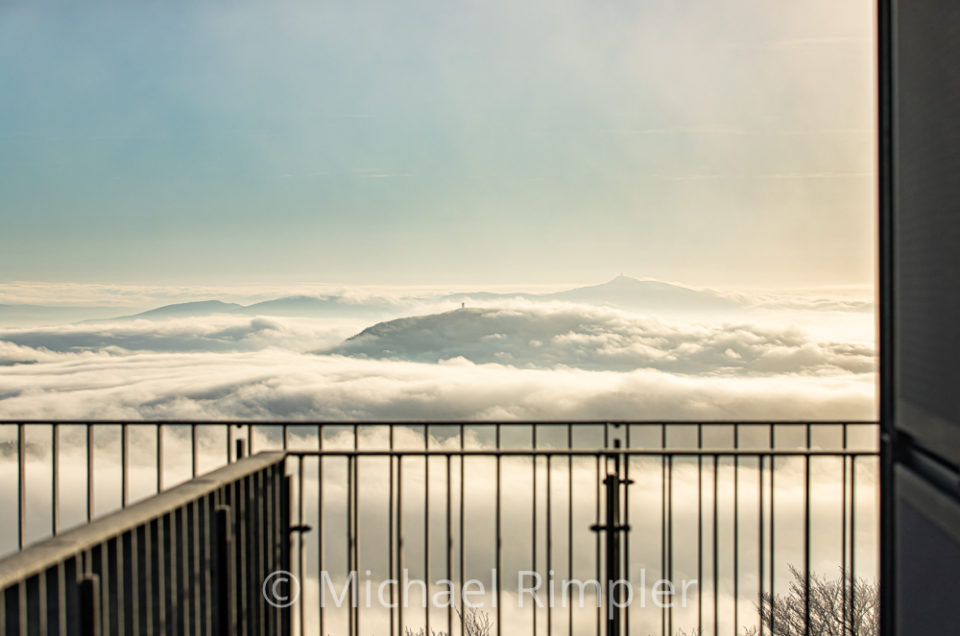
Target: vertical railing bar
22,605
773,527
390,535
351,626
670,537
171,589
533,518
159,457
626,523
3,614
229,443
760,541
124,466
700,529
611,532
193,451
145,572
449,550
569,524
42,590
273,525
400,538
426,521
843,532
202,585
122,585
460,527
132,575
261,502
246,554
736,530
21,485
597,522
282,510
225,545
248,547
286,436
663,521
266,562
499,538
549,531
854,617
716,560
250,439
806,537
183,564
606,444
89,472
55,479
356,538
301,564
320,537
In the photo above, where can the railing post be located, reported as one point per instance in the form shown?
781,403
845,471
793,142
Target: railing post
613,532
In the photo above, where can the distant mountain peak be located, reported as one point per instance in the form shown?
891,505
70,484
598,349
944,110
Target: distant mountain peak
193,308
649,295
622,279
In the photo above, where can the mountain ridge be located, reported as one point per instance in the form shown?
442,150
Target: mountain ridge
622,292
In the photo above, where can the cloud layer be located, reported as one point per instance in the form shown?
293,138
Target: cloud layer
274,384
601,339
209,334
518,361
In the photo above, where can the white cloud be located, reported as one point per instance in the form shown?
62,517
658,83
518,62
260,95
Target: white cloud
531,336
210,333
274,384
521,361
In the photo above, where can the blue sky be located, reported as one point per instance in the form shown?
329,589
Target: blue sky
718,143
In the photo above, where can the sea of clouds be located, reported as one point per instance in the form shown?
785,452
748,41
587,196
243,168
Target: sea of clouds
503,359
512,360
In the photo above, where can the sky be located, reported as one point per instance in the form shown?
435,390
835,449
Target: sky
725,144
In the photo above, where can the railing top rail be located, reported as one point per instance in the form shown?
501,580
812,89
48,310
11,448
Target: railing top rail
39,556
666,422
584,452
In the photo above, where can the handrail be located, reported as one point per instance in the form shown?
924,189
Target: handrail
335,423
48,552
582,452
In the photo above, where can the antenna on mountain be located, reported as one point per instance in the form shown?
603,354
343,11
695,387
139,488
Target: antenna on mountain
463,305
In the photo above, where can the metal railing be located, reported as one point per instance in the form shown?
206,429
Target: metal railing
732,506
189,560
569,492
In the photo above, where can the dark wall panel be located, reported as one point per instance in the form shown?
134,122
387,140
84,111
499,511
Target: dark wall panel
928,560
920,314
927,222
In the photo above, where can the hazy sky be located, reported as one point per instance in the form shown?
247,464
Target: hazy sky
366,141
